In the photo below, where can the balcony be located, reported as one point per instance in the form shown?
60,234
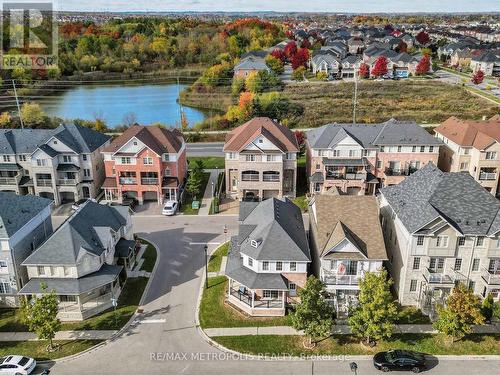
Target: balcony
491,278
44,182
341,279
484,176
442,277
128,181
397,172
149,181
67,181
346,176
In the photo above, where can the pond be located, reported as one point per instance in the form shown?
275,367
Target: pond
122,104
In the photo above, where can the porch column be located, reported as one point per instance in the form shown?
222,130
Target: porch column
253,298
283,299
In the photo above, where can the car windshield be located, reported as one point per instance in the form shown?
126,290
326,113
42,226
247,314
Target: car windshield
169,206
23,361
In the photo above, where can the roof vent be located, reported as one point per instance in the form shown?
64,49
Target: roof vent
483,221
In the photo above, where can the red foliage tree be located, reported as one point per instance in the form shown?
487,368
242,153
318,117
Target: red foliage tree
300,58
279,54
364,71
290,49
424,65
423,38
478,77
402,47
301,138
380,67
305,44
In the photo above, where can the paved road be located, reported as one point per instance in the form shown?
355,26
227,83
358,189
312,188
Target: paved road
205,149
453,79
168,324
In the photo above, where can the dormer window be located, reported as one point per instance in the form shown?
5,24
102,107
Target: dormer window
255,243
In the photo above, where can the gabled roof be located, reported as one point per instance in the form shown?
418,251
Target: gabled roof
157,139
429,194
279,135
82,232
18,210
80,138
252,63
347,217
278,228
470,133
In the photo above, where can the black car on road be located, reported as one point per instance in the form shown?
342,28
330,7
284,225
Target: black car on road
396,360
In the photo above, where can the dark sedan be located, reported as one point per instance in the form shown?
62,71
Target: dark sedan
399,360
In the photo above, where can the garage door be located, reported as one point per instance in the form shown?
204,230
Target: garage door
129,194
266,194
353,190
45,194
149,196
67,197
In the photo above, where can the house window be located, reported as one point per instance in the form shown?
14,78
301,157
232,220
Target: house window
422,148
86,172
52,271
66,159
279,266
6,158
126,160
379,164
318,167
399,148
442,241
480,241
458,264
22,157
84,157
265,266
464,166
166,157
420,240
3,265
4,287
270,294
431,148
466,151
472,285
382,148
416,263
41,162
324,153
317,187
66,271
292,287
336,153
250,157
413,285
352,153
231,155
148,161
475,264
41,270
491,155
461,241
365,152
168,172
436,264
414,149
498,243
66,298
250,262
272,157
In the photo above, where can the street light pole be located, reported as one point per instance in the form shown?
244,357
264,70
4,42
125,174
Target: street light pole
206,266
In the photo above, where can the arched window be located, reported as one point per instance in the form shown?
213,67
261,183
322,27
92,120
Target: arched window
250,176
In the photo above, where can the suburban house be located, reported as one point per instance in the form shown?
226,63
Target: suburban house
24,224
325,63
147,163
63,164
261,160
346,241
80,262
440,228
488,62
474,147
249,65
357,159
350,66
268,259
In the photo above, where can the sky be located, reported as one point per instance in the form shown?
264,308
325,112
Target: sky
334,6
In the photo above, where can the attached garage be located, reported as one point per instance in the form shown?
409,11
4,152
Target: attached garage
67,197
353,190
129,194
150,196
46,194
266,194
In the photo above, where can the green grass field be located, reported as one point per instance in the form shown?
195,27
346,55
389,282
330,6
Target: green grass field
37,349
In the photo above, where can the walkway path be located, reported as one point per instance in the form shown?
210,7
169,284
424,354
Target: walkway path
207,197
337,330
62,335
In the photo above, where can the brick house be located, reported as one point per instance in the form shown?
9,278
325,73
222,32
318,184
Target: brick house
147,163
359,158
474,147
261,160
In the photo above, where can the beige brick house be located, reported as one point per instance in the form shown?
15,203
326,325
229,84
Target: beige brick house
261,160
474,147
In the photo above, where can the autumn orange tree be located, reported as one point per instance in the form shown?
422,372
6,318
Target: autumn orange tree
424,65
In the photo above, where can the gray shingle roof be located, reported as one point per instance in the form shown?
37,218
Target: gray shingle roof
17,210
391,132
429,194
279,228
252,63
83,230
65,286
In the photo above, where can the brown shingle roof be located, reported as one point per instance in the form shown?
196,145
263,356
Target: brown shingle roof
353,217
478,134
280,135
158,139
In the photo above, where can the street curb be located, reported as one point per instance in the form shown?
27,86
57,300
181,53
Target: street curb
124,328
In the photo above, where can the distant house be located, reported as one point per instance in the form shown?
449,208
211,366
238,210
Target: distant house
350,65
25,223
488,62
325,63
355,45
404,65
346,242
249,65
268,259
80,262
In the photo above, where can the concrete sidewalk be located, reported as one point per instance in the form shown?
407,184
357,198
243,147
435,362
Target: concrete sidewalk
337,330
62,335
207,196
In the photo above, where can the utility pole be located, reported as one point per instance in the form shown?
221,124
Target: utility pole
17,102
355,97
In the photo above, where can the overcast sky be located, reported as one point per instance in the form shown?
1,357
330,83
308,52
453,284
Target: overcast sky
353,6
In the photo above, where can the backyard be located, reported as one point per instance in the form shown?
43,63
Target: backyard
186,207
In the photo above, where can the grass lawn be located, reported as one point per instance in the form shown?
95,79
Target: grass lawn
411,315
210,162
10,321
214,313
37,349
149,257
216,258
350,345
302,187
186,208
127,304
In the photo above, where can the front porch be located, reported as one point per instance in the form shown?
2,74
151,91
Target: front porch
258,302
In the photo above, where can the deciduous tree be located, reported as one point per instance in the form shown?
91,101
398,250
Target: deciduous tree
313,314
380,67
422,38
290,49
275,64
32,114
424,65
279,54
460,313
300,58
478,77
364,71
374,317
298,74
